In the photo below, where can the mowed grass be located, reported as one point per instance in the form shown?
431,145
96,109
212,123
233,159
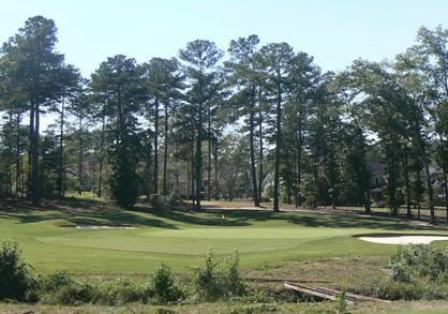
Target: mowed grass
181,239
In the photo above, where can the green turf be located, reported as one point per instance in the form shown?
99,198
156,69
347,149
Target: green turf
181,240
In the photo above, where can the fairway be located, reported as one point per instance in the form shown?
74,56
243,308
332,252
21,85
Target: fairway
51,242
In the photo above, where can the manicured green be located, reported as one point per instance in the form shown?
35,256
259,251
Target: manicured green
50,242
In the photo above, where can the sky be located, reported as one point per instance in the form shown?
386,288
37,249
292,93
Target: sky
335,32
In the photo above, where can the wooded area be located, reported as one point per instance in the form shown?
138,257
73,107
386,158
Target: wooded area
259,121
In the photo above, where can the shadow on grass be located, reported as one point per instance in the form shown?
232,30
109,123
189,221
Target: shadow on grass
198,218
92,212
109,217
327,220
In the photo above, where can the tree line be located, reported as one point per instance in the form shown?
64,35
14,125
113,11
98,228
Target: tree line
255,120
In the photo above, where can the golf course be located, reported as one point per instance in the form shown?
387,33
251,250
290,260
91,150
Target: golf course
98,244
137,242
223,157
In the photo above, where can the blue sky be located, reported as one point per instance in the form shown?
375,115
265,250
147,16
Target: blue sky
335,32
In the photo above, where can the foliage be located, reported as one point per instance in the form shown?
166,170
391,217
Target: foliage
232,277
207,282
213,283
165,203
417,263
73,294
416,272
163,288
16,280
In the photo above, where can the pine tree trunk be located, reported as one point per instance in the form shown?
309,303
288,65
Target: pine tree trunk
445,186
101,159
428,181
253,172
209,160
407,184
149,187
102,140
299,165
80,156
277,151
216,170
29,190
260,157
18,159
61,153
35,187
198,158
156,147
165,152
316,179
418,174
193,167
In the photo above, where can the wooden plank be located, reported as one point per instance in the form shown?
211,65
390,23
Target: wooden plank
308,291
329,293
354,296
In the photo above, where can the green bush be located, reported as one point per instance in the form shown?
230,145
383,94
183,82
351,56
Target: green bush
212,284
164,202
208,280
392,290
233,282
56,281
163,288
74,294
15,279
416,272
120,292
419,262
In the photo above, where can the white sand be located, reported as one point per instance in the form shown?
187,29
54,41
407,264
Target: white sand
408,239
103,227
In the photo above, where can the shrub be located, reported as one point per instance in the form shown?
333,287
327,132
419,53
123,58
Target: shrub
73,294
119,292
392,290
212,284
419,262
163,288
163,202
56,281
417,272
232,279
16,281
208,282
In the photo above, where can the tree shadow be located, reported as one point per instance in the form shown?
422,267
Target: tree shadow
198,218
111,217
351,221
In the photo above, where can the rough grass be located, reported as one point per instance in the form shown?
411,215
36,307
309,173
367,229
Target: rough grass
398,307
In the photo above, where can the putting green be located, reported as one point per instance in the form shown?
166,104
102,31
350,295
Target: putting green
51,242
193,241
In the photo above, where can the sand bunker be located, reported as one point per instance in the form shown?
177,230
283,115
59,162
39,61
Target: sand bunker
405,239
103,227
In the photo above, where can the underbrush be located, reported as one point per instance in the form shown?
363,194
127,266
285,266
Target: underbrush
417,272
217,280
414,273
